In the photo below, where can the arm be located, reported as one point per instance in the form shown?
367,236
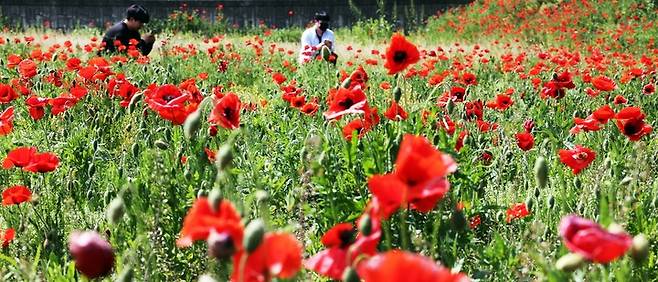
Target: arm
146,44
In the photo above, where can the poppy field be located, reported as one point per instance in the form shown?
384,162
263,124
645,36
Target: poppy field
500,141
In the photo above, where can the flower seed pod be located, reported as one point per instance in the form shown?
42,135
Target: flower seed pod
350,275
541,172
135,150
365,225
570,262
192,124
115,210
93,255
220,245
397,92
551,202
214,198
162,145
224,157
126,274
253,235
640,248
346,83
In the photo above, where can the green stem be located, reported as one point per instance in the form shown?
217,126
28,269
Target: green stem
404,235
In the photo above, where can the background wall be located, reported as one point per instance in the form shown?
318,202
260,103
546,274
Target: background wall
65,14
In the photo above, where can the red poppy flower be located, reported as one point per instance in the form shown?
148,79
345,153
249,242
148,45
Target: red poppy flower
590,240
226,112
310,108
36,106
201,219
419,177
555,88
13,60
577,158
345,101
516,211
469,79
298,102
27,68
7,237
73,64
357,125
630,122
603,83
42,162
122,88
447,124
588,124
7,121
7,94
15,195
358,77
501,103
525,140
460,140
474,221
279,255
395,112
62,103
344,246
93,255
457,94
170,102
396,265
473,110
278,77
385,85
19,157
619,100
603,114
400,54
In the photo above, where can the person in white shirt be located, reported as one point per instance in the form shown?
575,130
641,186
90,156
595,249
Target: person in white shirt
315,37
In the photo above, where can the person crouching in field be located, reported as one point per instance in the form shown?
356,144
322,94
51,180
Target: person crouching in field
125,34
317,37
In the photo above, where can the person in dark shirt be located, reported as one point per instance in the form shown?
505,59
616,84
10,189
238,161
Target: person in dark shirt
119,36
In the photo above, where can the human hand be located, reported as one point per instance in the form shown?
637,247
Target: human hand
148,38
327,43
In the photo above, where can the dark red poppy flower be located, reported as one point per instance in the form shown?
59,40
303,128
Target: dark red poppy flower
36,106
469,79
93,255
630,121
395,112
474,110
396,265
400,54
603,83
279,255
516,211
202,219
7,121
15,195
460,140
620,100
649,89
19,157
457,94
298,102
27,68
226,112
170,102
528,125
7,94
447,124
419,178
358,77
525,140
345,101
577,158
7,236
474,221
590,240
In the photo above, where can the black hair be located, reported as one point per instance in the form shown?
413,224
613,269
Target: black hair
138,13
322,16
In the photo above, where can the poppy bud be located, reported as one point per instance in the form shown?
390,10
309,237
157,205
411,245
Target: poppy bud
126,274
397,93
187,174
346,83
458,220
253,235
365,225
135,150
133,102
161,144
615,228
551,202
215,197
570,262
529,203
537,192
115,210
326,52
94,145
220,245
224,157
627,180
640,248
541,172
350,275
192,124
577,183
93,255
450,106
91,169
206,278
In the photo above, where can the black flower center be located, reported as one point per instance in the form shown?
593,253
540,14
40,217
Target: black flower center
399,56
346,238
